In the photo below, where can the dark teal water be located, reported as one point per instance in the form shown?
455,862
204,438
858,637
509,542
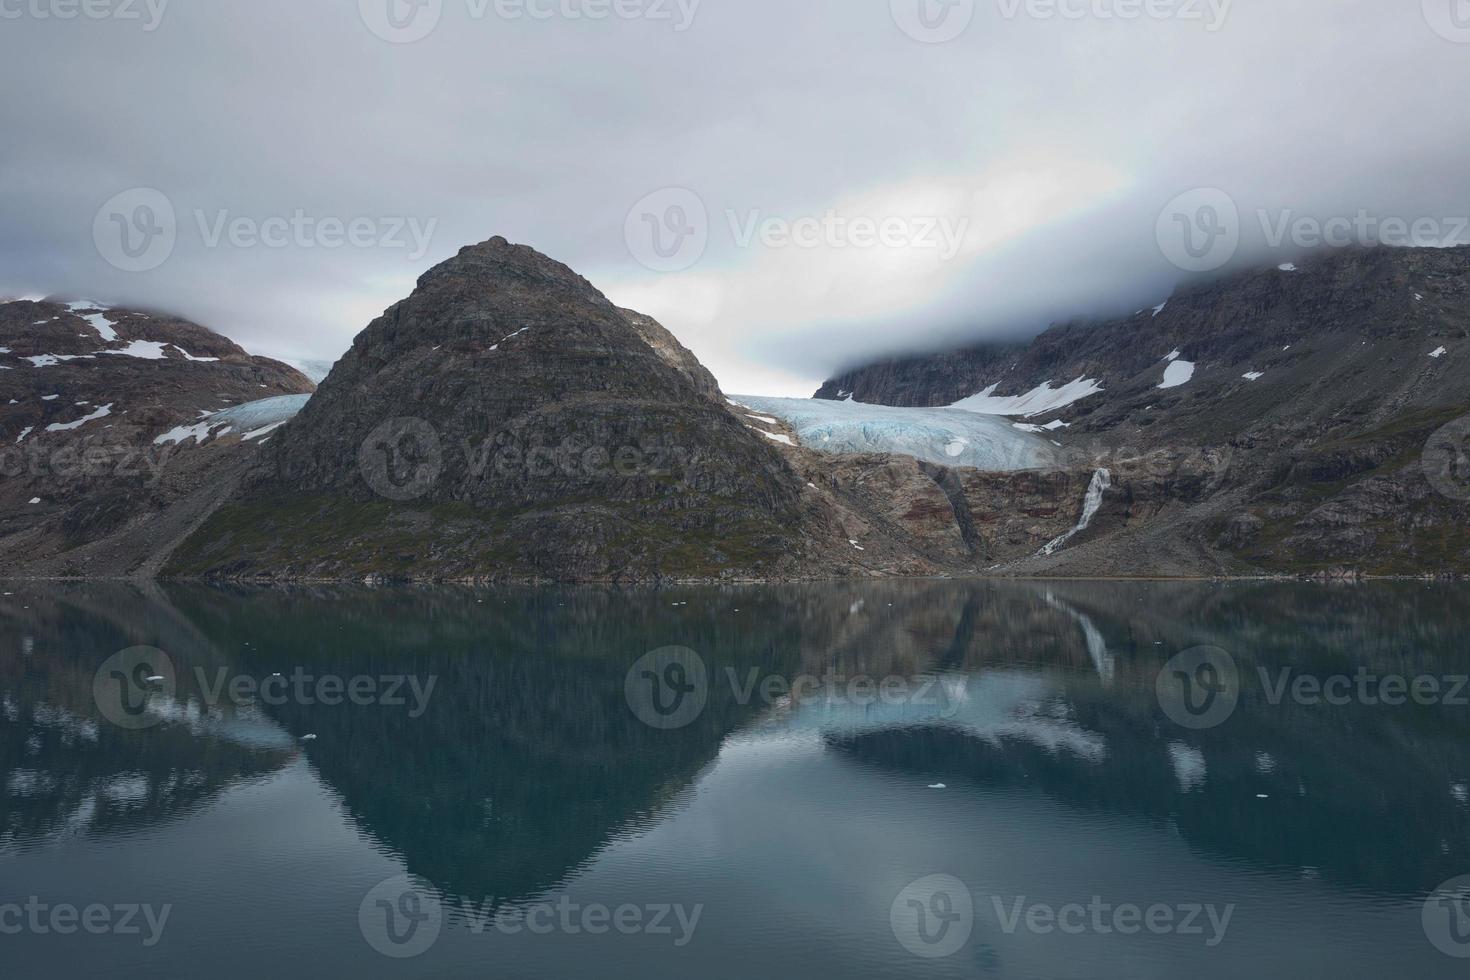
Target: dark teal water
521,817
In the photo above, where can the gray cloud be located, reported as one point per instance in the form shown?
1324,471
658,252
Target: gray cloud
1054,143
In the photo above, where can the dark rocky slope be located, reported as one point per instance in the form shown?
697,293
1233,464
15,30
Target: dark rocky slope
86,393
1318,461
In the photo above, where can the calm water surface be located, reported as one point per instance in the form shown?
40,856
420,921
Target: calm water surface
970,780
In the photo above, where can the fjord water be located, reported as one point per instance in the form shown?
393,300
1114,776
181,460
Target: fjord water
768,834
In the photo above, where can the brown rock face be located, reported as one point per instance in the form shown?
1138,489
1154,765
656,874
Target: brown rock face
507,421
85,391
1320,392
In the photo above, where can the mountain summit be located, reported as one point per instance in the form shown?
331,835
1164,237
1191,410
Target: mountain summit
507,421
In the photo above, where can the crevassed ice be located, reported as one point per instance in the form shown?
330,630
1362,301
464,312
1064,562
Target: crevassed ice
946,436
250,418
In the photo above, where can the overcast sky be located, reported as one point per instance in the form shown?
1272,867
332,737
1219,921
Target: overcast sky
972,168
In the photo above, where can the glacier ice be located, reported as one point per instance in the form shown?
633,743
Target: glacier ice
948,436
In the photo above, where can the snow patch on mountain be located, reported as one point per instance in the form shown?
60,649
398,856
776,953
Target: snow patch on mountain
1178,373
101,413
102,325
1439,353
946,436
1253,375
1037,401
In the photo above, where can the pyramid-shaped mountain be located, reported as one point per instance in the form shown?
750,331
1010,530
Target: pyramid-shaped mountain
507,421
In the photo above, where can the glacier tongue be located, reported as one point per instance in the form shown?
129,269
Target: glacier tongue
947,436
1102,481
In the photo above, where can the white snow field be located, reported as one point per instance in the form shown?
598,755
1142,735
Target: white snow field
948,436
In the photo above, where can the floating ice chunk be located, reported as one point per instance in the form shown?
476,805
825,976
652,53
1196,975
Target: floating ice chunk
1178,373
